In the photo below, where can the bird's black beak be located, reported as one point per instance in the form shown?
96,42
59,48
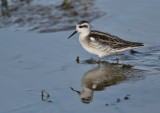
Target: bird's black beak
72,34
75,90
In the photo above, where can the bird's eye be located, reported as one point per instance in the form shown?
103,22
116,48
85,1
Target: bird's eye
84,26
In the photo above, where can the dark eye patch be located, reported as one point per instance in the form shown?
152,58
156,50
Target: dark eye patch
84,26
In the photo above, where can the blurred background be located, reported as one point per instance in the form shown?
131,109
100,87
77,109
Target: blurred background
46,15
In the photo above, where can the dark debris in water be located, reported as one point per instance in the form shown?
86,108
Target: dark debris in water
118,100
45,96
126,98
89,61
77,59
133,51
127,66
48,17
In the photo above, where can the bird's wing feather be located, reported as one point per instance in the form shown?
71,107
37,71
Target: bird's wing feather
113,41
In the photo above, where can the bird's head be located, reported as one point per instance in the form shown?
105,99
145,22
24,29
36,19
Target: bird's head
81,27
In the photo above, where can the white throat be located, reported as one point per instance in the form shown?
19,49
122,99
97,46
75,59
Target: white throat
84,34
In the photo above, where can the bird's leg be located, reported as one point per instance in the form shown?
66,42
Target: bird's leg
98,60
117,57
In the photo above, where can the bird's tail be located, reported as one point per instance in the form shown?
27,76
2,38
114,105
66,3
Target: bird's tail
137,44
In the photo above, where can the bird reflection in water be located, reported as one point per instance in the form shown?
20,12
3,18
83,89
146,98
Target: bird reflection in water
99,78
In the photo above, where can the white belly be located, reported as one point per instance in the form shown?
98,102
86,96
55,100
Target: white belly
95,48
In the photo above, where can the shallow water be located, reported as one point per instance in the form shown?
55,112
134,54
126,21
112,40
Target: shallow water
46,16
31,62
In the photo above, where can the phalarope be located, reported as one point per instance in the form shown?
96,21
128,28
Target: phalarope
100,43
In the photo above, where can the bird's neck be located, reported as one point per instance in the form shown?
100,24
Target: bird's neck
83,35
